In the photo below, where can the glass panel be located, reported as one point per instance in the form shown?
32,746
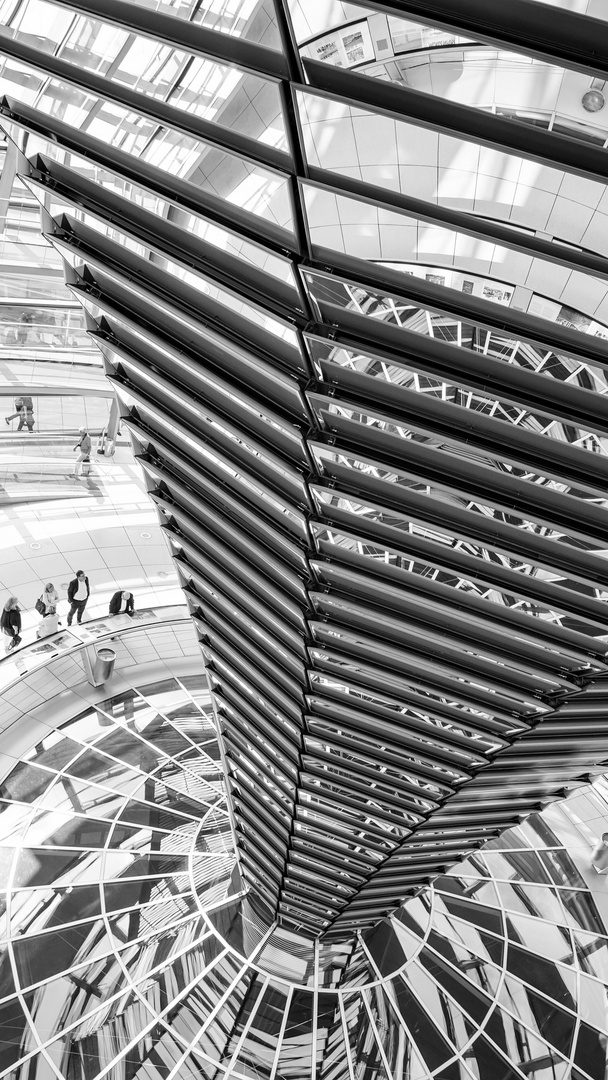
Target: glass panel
295,1058
241,183
251,19
259,1047
432,1045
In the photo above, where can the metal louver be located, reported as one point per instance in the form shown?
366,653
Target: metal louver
386,500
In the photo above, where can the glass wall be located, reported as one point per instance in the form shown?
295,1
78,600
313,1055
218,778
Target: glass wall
128,943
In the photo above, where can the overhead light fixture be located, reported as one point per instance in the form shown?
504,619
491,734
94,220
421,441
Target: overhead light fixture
593,101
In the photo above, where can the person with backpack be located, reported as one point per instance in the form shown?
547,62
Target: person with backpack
84,445
78,594
10,623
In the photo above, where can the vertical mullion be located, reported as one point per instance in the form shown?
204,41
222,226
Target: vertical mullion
349,1058
366,1004
275,1064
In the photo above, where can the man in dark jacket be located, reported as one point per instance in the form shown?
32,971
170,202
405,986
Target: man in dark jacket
78,594
122,603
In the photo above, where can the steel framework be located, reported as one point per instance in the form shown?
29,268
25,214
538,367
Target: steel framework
386,500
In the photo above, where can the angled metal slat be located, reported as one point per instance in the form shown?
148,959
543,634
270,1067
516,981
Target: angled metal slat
416,597
566,38
145,175
106,89
379,722
187,35
444,557
458,221
460,121
491,533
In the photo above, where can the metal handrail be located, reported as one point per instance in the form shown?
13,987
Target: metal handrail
33,656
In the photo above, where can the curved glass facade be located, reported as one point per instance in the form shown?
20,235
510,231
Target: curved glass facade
350,289
130,947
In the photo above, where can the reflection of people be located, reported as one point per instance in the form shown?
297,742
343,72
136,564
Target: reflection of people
599,855
49,625
26,415
10,622
20,408
24,325
25,411
84,444
39,319
122,603
78,594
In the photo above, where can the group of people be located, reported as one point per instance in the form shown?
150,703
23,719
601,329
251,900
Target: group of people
35,328
79,590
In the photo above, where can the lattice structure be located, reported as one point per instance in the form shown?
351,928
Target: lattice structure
386,499
130,949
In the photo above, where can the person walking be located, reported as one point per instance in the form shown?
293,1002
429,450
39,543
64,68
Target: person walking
122,603
50,598
78,594
10,623
26,415
84,445
25,412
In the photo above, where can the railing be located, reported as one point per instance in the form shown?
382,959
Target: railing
36,654
57,415
16,334
26,478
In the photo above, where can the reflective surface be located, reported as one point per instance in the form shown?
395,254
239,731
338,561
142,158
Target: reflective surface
360,351
357,336
115,844
129,946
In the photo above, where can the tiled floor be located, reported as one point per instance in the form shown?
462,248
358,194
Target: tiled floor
52,525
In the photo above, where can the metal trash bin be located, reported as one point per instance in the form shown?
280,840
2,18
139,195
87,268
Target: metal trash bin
104,665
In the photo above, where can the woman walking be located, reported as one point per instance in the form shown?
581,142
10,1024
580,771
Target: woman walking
10,623
84,446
